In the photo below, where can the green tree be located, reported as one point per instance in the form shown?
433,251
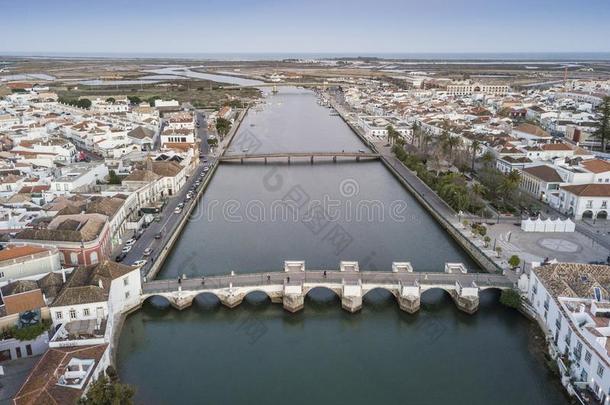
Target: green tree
105,392
213,142
510,298
84,103
111,100
134,99
602,129
113,178
223,126
514,261
487,239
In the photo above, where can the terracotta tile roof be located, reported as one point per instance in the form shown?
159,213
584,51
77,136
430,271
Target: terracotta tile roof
533,130
83,285
575,280
589,190
596,165
40,388
140,133
141,175
68,228
556,146
544,173
14,252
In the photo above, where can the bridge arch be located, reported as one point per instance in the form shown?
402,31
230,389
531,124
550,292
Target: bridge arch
322,293
257,296
435,298
207,299
157,302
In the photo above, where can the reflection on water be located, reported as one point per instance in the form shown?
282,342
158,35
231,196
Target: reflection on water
258,352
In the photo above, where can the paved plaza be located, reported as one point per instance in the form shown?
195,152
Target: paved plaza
536,246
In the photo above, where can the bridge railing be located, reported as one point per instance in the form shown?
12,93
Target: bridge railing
331,277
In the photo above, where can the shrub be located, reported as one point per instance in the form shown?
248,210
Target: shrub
510,298
514,261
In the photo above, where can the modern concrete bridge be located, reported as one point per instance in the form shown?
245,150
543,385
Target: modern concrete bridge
299,155
291,286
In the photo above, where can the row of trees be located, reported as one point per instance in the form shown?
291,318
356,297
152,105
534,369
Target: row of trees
80,102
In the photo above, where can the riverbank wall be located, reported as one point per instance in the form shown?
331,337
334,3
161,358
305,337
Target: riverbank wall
483,260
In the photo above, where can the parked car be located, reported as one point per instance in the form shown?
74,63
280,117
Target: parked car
158,235
126,249
120,257
205,169
141,262
147,251
130,242
178,210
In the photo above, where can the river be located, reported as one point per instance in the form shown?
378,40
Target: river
257,353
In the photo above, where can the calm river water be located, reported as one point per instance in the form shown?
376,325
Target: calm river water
252,218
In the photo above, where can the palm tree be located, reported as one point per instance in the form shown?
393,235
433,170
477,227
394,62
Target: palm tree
475,147
478,189
416,132
488,158
514,177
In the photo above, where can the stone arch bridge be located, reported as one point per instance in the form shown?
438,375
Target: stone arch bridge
291,286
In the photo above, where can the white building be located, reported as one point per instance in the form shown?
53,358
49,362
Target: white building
97,292
78,175
21,260
571,300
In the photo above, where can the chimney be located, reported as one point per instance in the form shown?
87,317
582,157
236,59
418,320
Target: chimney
99,282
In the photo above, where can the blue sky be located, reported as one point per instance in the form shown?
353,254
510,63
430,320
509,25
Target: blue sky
372,26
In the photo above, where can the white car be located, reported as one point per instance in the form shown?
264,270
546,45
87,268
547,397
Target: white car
139,263
126,249
177,210
147,251
130,242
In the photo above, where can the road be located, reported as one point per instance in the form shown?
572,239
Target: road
169,219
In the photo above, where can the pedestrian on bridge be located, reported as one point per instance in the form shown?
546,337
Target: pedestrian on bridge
179,280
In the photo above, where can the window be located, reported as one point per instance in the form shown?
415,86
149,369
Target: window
72,314
126,281
74,258
86,312
93,257
578,350
600,370
588,356
127,295
58,315
28,349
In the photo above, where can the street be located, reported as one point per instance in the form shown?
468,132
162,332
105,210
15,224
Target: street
169,219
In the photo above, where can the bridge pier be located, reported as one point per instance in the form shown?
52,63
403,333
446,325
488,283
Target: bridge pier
289,159
293,299
231,300
311,159
241,160
181,302
265,160
409,298
334,159
466,298
357,158
351,297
